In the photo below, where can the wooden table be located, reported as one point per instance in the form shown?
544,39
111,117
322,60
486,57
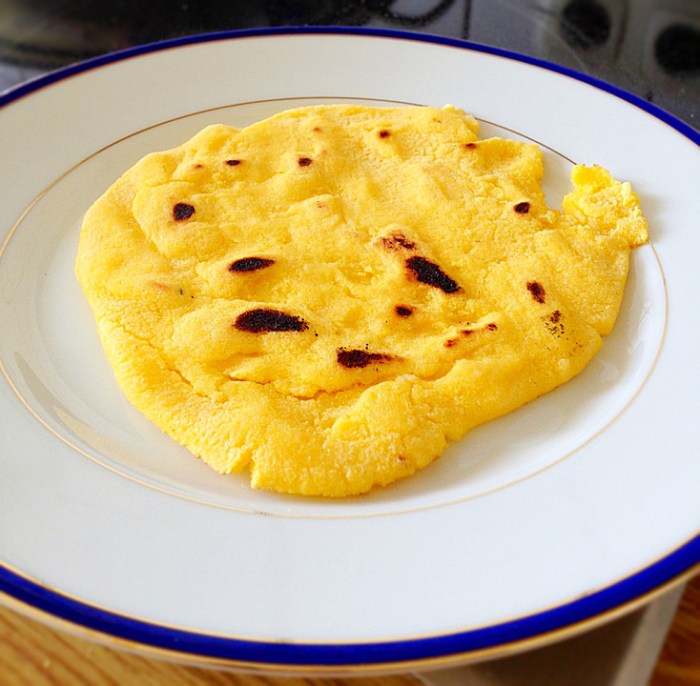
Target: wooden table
31,654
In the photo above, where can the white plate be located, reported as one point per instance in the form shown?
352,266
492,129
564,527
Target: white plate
580,504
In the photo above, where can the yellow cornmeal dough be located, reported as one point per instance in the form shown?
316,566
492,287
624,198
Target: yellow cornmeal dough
329,296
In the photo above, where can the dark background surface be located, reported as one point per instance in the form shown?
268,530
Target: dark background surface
648,47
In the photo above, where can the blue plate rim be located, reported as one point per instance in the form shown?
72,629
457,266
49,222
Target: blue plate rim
681,561
674,568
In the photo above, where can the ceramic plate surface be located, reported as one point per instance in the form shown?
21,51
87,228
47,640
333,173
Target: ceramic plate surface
573,507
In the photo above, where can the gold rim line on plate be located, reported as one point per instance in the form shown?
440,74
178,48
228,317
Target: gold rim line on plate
340,670
170,491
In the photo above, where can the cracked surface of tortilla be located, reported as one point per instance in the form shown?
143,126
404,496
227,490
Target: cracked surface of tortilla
329,296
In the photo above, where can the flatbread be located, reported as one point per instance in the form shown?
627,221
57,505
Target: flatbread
328,297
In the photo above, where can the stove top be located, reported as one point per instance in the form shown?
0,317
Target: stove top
648,47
